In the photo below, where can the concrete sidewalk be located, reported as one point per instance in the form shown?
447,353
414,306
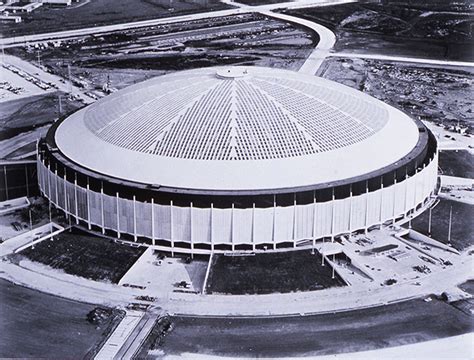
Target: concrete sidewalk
129,335
25,240
121,333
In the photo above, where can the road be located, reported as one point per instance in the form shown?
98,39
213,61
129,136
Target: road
34,325
374,328
403,59
327,39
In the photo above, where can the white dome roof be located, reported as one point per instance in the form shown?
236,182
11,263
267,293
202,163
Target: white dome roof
219,128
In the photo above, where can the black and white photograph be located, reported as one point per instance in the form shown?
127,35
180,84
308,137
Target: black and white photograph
248,179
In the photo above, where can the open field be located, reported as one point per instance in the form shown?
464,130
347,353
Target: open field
462,230
37,325
457,163
103,12
434,93
21,115
85,255
264,273
122,58
391,325
438,30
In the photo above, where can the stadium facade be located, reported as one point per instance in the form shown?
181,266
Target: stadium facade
237,158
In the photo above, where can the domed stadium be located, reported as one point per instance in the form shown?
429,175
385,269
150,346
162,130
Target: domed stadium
237,158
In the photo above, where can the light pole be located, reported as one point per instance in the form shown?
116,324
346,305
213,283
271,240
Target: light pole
429,222
450,224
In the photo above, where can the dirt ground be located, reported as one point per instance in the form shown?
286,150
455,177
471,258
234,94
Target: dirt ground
457,163
437,94
85,255
435,29
392,325
89,13
123,58
29,318
270,273
19,116
462,230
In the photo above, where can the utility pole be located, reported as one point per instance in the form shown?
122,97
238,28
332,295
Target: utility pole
50,217
333,264
69,77
450,223
429,222
60,105
31,222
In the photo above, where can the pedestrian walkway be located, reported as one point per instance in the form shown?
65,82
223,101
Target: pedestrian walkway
129,335
121,333
132,345
30,238
13,205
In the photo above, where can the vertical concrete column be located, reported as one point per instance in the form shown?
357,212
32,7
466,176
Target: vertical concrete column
381,202
172,228
415,189
366,207
253,226
232,225
405,211
49,183
274,240
333,214
350,211
134,219
423,190
76,206
57,186
117,198
191,227
88,205
66,205
39,173
295,221
314,219
153,222
102,214
212,223
394,215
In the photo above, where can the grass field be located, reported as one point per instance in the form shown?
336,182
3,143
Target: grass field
37,325
102,12
265,273
462,230
86,256
457,163
392,325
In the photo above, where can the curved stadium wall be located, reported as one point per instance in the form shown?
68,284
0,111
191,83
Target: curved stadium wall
204,221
